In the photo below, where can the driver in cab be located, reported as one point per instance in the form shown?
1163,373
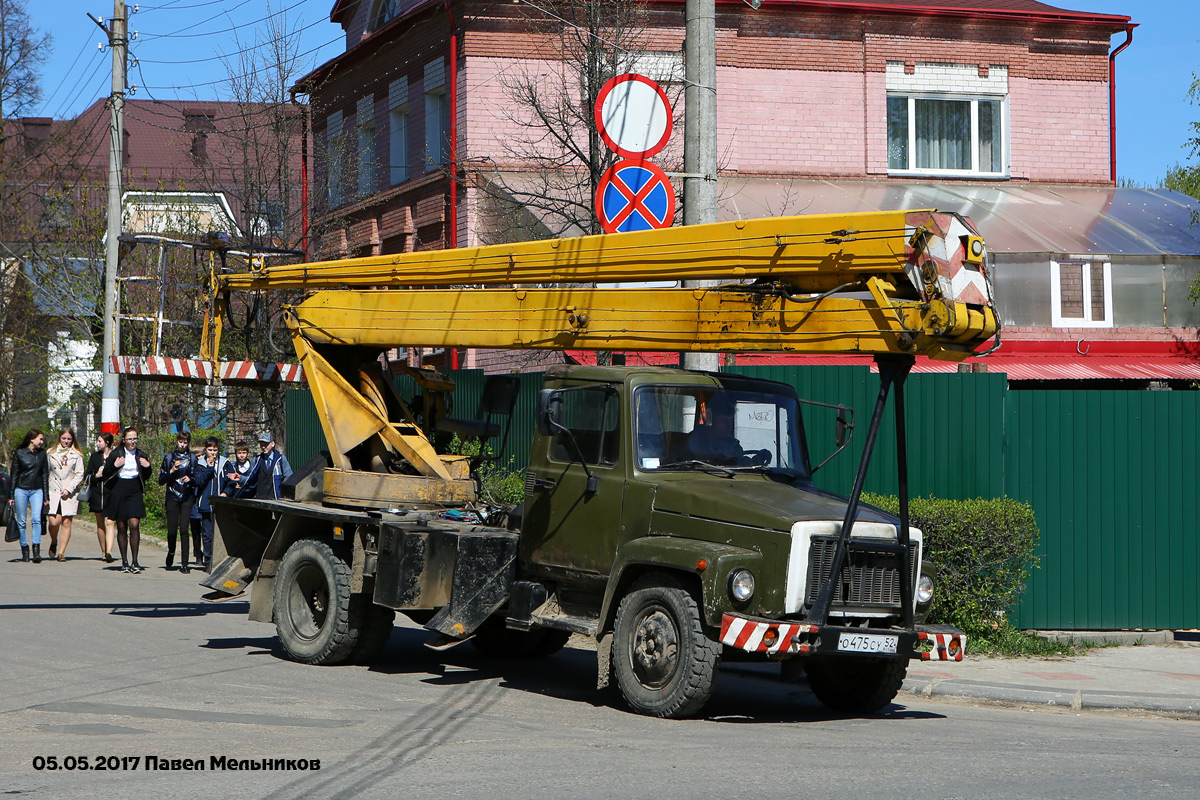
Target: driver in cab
713,441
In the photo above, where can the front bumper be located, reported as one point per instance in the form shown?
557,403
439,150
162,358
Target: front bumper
781,639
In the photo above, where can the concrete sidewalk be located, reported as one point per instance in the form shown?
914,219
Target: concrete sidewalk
1162,678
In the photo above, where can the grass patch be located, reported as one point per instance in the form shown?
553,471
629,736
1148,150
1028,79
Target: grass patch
1012,642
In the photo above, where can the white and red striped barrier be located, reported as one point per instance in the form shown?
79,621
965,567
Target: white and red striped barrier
195,369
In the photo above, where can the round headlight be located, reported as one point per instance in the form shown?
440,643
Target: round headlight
741,585
924,590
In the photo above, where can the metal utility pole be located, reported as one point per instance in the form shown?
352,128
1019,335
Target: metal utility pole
700,136
110,403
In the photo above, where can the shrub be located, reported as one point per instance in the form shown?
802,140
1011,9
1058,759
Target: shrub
983,550
501,484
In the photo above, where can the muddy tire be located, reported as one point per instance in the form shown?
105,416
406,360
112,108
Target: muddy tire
316,621
664,662
859,685
494,640
378,623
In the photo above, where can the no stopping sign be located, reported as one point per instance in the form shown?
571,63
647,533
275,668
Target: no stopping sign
634,196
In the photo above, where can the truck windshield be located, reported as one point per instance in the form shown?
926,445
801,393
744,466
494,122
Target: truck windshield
686,427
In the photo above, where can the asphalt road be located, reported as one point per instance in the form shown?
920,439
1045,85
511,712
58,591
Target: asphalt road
97,664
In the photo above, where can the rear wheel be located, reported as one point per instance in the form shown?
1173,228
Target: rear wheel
861,685
665,664
316,621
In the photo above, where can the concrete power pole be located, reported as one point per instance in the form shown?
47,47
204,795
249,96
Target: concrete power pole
110,403
700,136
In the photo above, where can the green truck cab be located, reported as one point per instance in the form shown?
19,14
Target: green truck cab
669,516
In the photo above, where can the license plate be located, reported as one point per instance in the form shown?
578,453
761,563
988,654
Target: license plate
867,643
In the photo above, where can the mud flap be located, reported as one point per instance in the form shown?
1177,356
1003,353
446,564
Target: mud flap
463,572
228,579
484,568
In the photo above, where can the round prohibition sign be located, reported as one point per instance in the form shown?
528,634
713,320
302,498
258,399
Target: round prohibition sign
634,196
633,116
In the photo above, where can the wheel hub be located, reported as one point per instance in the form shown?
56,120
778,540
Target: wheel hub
655,648
309,601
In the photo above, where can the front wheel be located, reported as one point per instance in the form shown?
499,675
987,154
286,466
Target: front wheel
315,617
860,685
665,664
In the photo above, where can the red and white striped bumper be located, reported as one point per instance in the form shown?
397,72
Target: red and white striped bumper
773,637
946,646
762,636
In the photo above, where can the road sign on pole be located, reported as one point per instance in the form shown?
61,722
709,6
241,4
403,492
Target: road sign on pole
634,196
633,116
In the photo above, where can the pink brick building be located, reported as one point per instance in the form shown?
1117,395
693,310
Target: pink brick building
999,109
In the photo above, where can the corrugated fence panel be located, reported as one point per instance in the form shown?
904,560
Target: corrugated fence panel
304,435
1112,478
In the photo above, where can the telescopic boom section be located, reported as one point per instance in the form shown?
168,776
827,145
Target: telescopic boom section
910,282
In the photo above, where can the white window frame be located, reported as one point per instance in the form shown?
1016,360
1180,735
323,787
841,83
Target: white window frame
398,144
365,119
398,119
1086,321
334,171
974,100
436,147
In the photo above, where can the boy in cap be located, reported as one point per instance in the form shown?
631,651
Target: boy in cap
272,469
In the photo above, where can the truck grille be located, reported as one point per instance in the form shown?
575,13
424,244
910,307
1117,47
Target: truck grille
872,578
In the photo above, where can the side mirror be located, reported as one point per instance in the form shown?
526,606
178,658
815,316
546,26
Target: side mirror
844,426
549,411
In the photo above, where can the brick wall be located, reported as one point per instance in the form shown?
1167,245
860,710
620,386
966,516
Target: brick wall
1059,130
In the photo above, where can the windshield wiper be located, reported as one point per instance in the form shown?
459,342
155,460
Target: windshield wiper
703,466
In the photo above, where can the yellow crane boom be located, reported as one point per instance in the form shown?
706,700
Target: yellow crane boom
894,282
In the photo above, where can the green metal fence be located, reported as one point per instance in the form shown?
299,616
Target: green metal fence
1111,476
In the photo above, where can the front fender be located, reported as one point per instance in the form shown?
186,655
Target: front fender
677,555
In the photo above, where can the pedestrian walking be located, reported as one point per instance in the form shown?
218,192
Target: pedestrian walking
95,493
271,470
177,474
67,472
31,485
239,473
217,466
125,473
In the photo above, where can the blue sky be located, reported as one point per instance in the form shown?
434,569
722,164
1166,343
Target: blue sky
180,40
178,48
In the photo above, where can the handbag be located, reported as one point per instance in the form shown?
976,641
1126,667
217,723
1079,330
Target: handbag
13,532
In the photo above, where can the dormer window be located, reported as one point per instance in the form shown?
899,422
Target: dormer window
384,12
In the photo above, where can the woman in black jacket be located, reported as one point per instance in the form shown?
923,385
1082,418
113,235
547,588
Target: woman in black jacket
31,487
125,472
95,492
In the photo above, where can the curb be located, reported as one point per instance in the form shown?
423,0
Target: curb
1075,700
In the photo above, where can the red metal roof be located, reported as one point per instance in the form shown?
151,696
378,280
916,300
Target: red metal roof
1029,368
1020,360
